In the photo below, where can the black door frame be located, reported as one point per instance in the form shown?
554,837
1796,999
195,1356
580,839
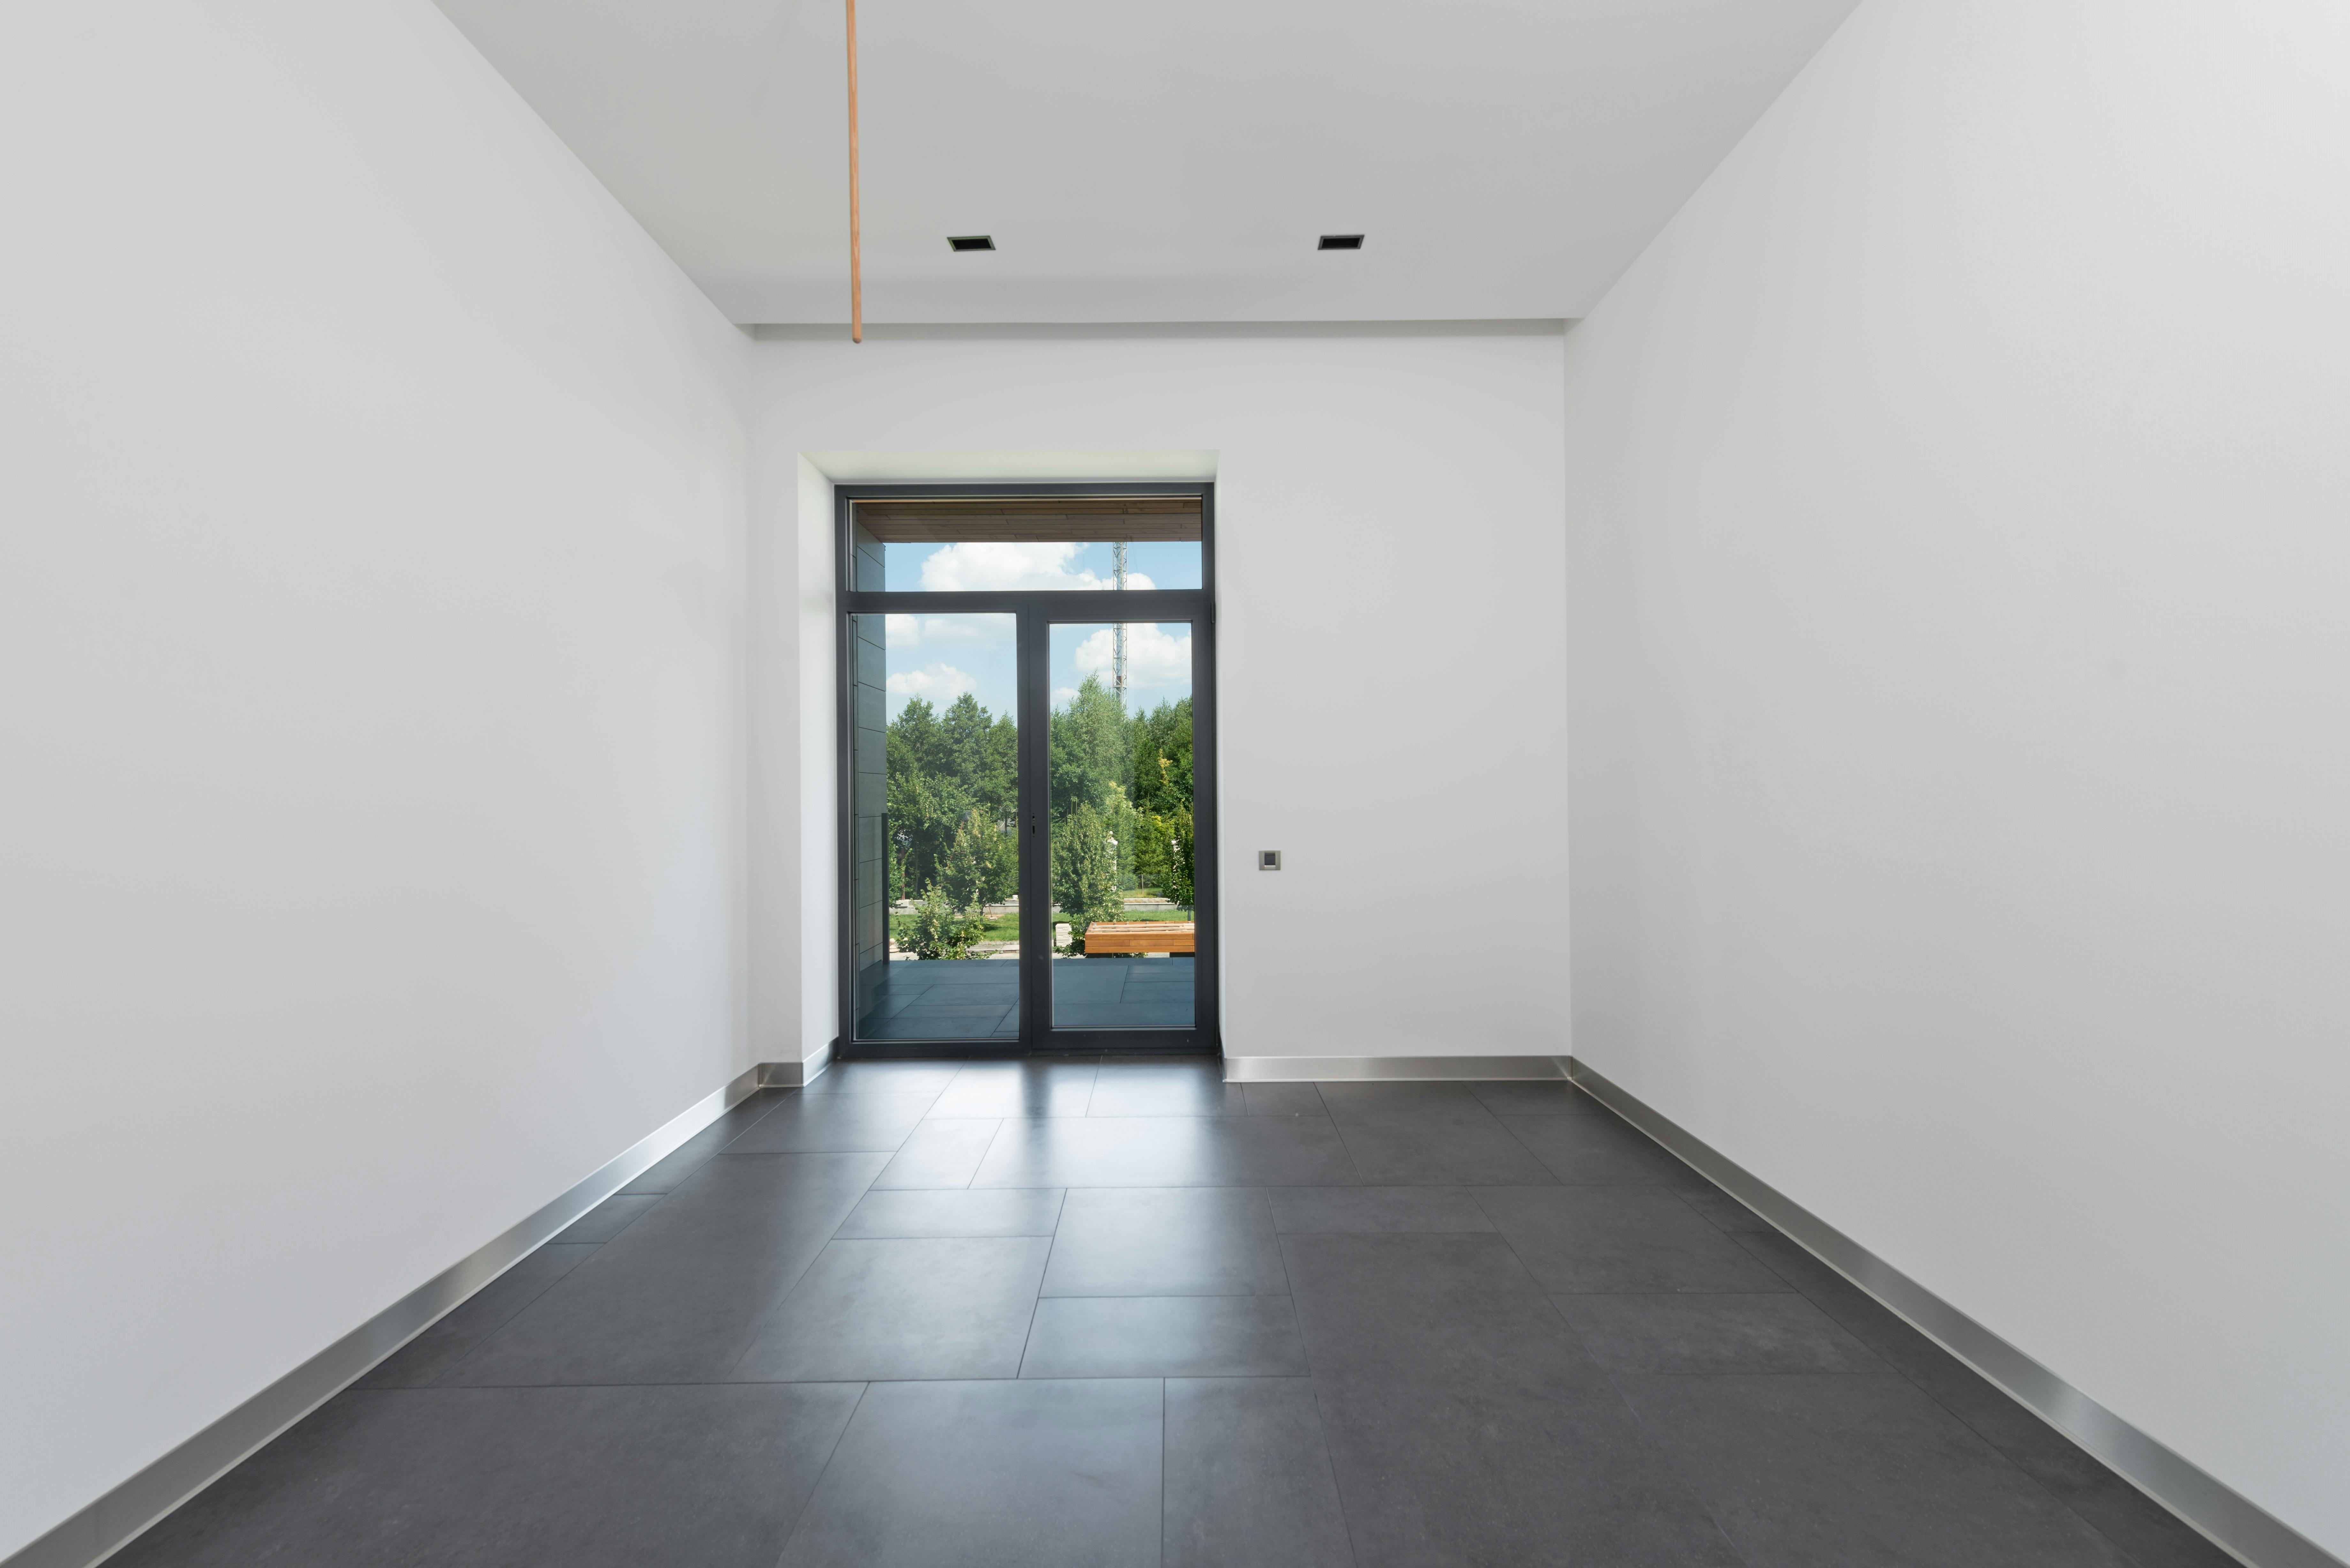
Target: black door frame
1037,612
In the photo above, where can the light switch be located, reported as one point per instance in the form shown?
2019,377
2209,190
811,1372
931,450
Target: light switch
1268,860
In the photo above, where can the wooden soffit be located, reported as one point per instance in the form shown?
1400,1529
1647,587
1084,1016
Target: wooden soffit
1017,520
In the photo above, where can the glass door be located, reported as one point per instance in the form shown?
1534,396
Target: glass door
934,828
1121,828
1027,764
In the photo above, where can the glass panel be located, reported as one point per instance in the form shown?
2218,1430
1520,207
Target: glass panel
1083,544
1120,794
935,877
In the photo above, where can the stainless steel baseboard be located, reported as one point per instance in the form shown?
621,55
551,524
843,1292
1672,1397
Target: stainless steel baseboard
112,1521
2234,1522
797,1075
1376,1069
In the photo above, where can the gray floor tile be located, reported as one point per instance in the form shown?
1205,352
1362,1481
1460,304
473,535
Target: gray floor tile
518,1478
2149,1533
939,1153
991,1475
1372,1210
608,1218
1700,1333
1435,1153
1822,1471
1281,1100
1641,1239
1434,1474
1164,1336
1169,1089
840,1123
1456,1309
1724,1213
1165,1242
1384,1105
669,1174
1248,1477
1166,1151
1464,1416
421,1361
883,1078
1874,1325
931,1307
1602,1151
1536,1097
1407,1134
676,1296
1019,1089
993,1211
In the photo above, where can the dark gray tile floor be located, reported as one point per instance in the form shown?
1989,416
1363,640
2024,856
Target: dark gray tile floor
1118,1312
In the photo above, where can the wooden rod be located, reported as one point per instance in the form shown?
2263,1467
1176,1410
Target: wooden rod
856,257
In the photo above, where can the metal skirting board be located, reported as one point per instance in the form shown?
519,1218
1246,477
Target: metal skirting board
797,1075
1395,1069
2234,1522
111,1522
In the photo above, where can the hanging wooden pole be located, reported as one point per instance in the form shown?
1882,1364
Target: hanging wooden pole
856,258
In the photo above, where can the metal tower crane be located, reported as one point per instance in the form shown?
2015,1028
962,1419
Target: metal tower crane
1118,630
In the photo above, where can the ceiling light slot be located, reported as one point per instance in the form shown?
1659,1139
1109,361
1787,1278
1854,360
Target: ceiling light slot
970,242
1340,242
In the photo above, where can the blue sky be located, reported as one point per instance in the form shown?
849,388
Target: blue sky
940,656
978,568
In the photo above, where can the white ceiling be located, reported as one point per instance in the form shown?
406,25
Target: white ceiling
1154,163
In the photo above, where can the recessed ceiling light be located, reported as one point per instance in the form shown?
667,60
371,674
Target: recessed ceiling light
972,242
1340,242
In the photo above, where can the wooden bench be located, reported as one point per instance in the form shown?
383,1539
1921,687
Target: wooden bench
1107,937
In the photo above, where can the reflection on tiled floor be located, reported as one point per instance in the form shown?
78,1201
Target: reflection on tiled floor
1118,1312
979,999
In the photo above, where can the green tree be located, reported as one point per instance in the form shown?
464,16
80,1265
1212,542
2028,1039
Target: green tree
1090,755
997,786
980,864
1162,772
1162,857
1181,885
981,755
918,743
1084,884
923,814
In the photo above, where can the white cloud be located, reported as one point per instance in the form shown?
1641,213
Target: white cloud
987,567
1153,659
1064,695
938,684
914,631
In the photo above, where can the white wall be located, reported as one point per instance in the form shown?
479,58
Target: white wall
1958,565
1390,640
370,658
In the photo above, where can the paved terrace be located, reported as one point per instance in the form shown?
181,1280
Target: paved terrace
979,999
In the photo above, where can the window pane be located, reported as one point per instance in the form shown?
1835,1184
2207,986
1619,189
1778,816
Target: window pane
935,871
1121,799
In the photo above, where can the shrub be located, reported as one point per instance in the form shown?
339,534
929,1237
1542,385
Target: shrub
934,928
